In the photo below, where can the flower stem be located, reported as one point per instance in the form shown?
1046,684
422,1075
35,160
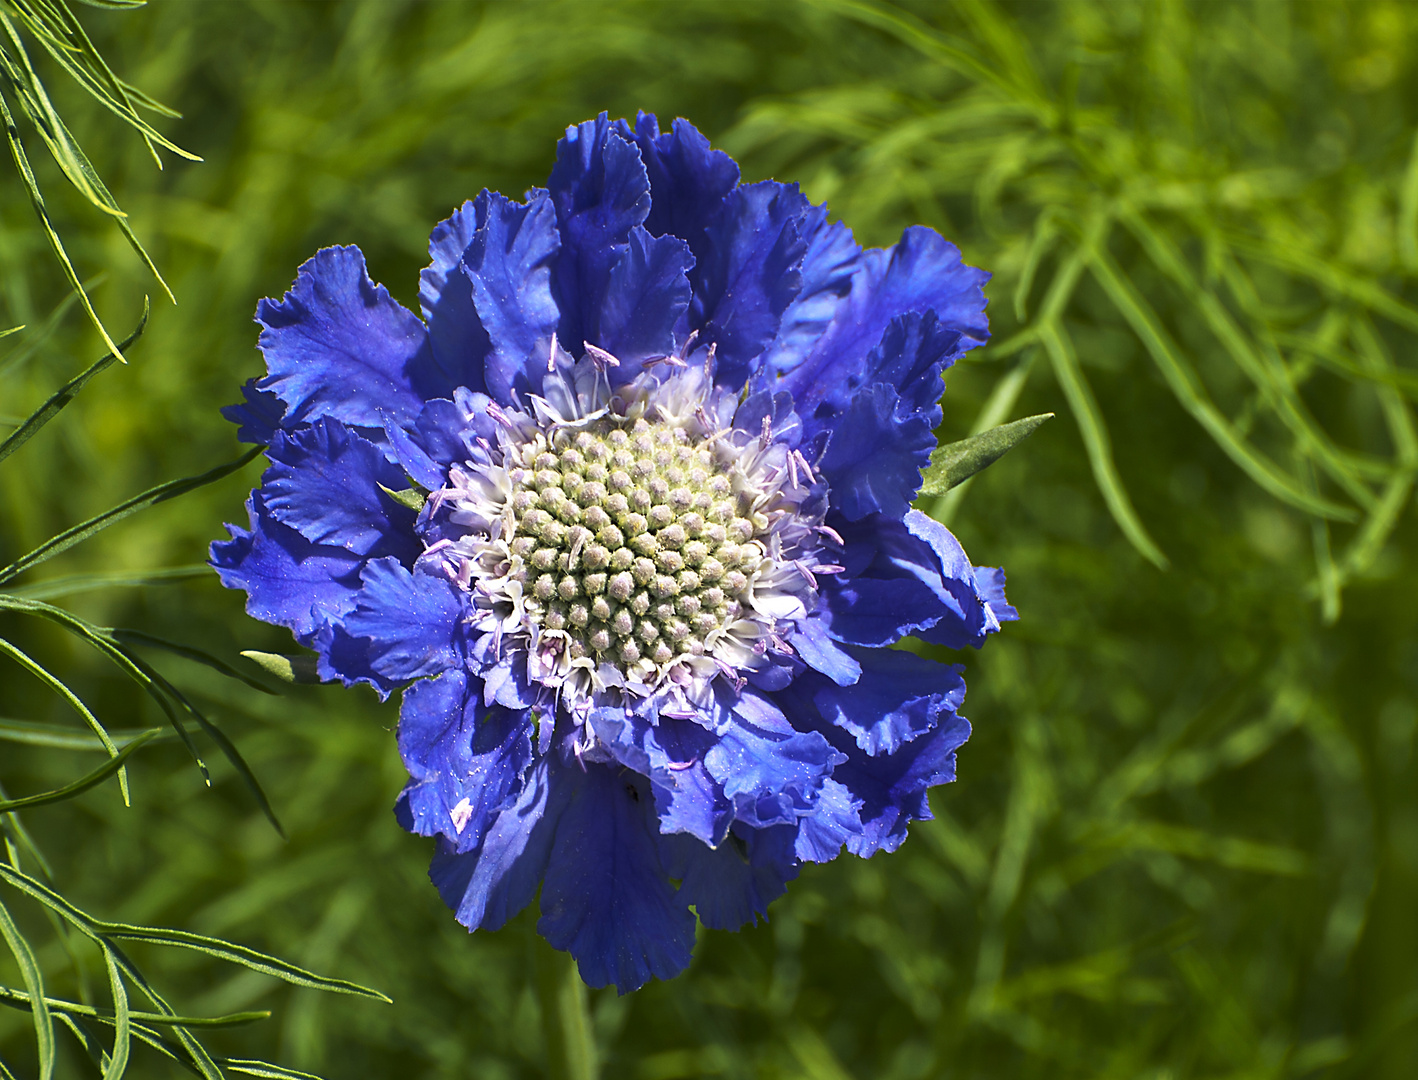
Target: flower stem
566,1019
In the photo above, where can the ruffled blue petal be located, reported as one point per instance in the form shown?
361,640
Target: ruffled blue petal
259,417
646,294
815,646
835,820
902,577
921,273
748,273
487,886
688,179
602,192
769,771
456,335
510,264
733,884
413,621
288,580
899,697
874,459
466,761
338,345
325,482
607,898
990,579
830,263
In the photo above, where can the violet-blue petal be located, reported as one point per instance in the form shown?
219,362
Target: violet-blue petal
688,179
814,644
288,580
487,886
836,819
748,273
466,761
258,417
325,482
607,899
509,264
771,776
344,658
921,273
339,345
455,333
413,621
733,884
602,192
874,460
967,617
990,580
899,697
646,294
913,351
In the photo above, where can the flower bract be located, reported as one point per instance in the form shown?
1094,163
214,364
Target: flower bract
625,515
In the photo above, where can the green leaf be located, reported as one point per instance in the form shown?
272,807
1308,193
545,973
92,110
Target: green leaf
34,982
291,669
71,584
122,1022
137,637
1095,440
17,151
956,462
18,999
78,787
412,497
81,532
60,688
63,737
66,393
104,932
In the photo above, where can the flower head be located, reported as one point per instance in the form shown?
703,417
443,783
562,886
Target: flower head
626,515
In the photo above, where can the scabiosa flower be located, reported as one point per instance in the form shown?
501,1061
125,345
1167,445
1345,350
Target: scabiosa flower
626,516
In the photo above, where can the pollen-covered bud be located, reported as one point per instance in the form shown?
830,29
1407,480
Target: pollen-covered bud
621,586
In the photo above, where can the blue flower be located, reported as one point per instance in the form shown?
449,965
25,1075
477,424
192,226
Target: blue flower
665,430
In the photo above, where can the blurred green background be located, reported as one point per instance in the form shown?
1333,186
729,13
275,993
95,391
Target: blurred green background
1184,841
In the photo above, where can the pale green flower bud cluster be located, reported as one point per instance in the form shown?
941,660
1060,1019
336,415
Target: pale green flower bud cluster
632,540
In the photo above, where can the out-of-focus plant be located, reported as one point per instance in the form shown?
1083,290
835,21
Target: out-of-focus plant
164,1030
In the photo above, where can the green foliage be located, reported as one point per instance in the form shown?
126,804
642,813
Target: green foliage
1184,841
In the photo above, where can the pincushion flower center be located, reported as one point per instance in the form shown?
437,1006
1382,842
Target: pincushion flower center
631,540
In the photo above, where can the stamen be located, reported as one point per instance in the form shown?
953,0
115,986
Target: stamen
600,357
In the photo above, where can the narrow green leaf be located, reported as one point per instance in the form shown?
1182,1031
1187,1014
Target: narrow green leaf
997,406
66,393
264,1069
11,330
412,498
34,983
78,533
291,669
60,688
1187,389
35,340
18,999
115,5
63,737
1096,442
122,1029
78,787
71,584
200,656
956,462
17,151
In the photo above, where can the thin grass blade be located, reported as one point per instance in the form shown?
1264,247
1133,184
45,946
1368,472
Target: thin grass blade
78,787
34,983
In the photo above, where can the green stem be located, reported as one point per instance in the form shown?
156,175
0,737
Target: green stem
566,1019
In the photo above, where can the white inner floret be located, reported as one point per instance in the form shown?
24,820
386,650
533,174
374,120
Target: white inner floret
630,541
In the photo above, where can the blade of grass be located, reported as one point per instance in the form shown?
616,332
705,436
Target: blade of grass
31,733
34,984
17,999
83,784
122,1029
66,393
1187,389
17,151
71,584
1096,441
209,946
81,532
59,687
137,637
